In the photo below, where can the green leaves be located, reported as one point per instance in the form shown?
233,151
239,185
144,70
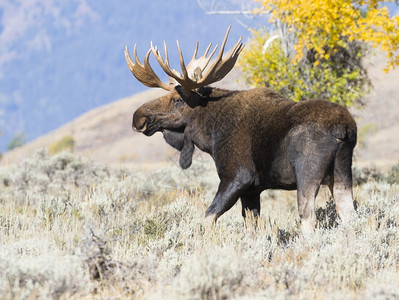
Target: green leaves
339,77
17,141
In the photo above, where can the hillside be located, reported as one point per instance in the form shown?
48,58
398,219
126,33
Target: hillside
59,59
104,134
380,118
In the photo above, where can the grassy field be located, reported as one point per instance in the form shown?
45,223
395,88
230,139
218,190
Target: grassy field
71,228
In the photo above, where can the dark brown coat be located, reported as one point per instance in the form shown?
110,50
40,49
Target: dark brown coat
259,140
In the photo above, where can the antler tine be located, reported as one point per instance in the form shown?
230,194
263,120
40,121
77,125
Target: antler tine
196,66
147,66
171,82
182,65
144,73
183,80
210,55
129,61
221,67
195,51
205,53
166,54
209,47
236,50
151,72
220,54
164,65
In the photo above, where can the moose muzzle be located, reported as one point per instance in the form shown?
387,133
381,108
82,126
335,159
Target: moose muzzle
139,122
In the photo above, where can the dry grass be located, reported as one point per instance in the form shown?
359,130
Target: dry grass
70,228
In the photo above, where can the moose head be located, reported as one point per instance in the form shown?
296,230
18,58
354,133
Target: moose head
186,91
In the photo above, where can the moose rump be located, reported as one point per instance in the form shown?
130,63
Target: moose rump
317,150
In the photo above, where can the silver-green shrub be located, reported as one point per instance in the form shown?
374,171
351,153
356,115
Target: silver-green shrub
72,228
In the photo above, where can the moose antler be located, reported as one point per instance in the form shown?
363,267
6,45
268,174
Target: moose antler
194,75
144,73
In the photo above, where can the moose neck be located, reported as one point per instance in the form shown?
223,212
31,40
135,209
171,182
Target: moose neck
208,122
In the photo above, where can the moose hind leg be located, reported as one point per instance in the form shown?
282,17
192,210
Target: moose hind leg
341,183
306,197
309,175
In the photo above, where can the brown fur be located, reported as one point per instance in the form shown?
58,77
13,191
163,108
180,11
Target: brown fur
259,140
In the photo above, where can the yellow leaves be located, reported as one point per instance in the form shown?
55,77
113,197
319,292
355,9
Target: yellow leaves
321,78
324,23
257,11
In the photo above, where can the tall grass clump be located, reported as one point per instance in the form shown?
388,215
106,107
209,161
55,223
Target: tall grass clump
72,228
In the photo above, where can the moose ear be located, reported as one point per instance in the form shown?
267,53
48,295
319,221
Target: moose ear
192,98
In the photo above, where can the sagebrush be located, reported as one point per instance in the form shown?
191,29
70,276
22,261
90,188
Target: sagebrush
71,228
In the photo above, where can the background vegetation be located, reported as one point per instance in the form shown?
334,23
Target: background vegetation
72,228
17,141
67,143
316,49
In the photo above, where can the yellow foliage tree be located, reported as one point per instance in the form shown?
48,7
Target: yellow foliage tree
316,48
325,25
341,79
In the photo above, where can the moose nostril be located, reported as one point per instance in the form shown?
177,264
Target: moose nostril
139,125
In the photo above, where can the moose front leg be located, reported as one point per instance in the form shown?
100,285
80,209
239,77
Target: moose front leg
250,202
228,193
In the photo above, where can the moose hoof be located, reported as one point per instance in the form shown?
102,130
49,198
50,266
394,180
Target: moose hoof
210,221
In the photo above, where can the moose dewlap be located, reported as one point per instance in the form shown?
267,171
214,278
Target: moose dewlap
258,139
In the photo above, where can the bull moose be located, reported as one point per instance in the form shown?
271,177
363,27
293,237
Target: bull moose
258,139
